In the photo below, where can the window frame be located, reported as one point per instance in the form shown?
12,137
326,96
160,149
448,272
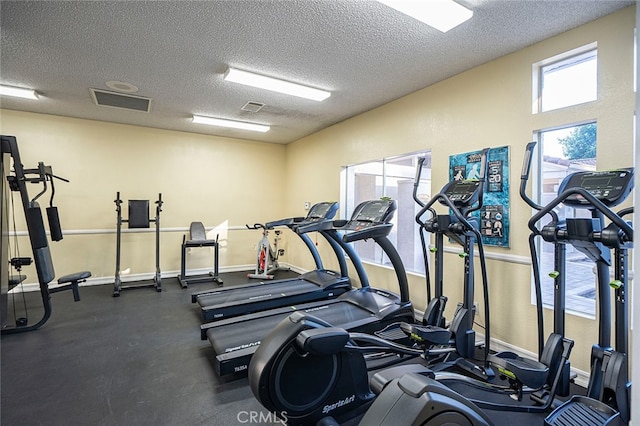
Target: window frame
348,202
561,60
538,193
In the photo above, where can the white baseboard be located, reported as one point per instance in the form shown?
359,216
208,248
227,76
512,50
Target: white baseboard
27,287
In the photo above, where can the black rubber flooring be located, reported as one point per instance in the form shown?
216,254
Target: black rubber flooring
133,360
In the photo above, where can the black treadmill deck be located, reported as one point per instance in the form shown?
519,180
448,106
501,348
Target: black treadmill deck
364,310
311,286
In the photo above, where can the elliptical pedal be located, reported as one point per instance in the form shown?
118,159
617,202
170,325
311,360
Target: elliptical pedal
427,333
581,410
392,332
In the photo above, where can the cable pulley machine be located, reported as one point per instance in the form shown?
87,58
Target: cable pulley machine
17,181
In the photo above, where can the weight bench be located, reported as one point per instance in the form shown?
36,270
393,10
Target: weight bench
70,282
198,238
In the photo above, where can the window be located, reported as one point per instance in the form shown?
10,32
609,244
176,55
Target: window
565,151
394,178
566,80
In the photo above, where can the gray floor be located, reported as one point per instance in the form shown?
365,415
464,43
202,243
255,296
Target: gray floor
133,360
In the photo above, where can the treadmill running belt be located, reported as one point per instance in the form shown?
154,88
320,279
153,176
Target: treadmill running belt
258,292
249,333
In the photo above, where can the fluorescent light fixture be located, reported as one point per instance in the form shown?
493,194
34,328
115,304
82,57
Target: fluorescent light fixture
18,92
442,15
275,85
221,122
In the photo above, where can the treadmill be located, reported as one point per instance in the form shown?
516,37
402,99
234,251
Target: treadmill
318,284
366,309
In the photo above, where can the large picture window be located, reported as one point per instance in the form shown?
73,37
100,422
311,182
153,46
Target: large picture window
394,178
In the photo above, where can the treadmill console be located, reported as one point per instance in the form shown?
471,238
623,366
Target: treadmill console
370,219
319,212
322,211
462,193
371,213
611,187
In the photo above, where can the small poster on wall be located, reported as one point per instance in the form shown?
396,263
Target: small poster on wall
494,215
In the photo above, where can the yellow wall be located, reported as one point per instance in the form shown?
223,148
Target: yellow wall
488,106
217,180
214,180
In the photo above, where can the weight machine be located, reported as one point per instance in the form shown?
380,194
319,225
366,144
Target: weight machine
16,182
138,218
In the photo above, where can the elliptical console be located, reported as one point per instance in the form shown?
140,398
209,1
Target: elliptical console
611,187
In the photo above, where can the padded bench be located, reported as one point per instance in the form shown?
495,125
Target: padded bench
70,282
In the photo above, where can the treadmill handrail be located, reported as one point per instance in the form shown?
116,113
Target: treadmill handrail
374,232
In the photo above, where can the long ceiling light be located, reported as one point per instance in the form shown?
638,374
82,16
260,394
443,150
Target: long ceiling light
230,123
18,92
442,15
275,85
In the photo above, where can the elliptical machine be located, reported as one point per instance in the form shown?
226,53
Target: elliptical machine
608,394
549,375
267,256
414,399
457,343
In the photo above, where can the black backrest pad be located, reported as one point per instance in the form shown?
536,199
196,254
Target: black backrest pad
138,213
35,225
44,265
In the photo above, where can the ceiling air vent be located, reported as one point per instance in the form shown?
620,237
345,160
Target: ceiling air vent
119,100
252,106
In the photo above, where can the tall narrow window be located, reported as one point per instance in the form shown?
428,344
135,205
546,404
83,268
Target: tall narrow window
394,178
565,151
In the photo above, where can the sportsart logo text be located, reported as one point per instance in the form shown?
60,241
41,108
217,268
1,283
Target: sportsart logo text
330,407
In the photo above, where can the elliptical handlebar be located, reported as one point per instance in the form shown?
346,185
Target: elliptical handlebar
595,202
524,175
524,179
416,182
444,199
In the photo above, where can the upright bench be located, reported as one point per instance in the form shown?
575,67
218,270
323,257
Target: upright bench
198,238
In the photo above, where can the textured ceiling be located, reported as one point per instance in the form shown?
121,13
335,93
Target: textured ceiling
176,52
